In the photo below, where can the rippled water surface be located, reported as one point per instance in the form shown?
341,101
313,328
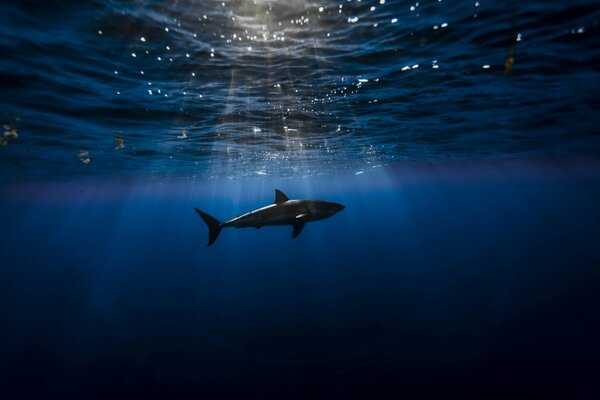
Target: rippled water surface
298,87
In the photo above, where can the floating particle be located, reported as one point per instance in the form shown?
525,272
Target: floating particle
119,143
509,62
84,156
183,135
394,20
10,133
143,39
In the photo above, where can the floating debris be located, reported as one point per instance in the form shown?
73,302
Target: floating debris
84,156
509,62
119,143
10,133
183,135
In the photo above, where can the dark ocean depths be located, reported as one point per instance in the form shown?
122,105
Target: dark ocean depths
463,138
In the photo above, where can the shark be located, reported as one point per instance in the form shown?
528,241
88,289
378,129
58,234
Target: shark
282,211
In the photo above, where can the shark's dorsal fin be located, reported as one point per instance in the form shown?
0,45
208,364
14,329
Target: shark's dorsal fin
297,229
280,197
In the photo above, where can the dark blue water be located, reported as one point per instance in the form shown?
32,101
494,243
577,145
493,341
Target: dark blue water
461,136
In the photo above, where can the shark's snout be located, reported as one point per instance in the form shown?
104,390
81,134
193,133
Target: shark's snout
337,207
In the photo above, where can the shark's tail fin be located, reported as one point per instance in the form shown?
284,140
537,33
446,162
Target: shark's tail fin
214,226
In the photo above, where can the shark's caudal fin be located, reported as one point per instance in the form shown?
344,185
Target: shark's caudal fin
214,226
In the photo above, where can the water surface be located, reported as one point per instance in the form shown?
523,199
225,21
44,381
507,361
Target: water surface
254,87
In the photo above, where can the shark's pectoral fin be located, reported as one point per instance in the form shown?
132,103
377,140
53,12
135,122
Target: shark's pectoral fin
297,229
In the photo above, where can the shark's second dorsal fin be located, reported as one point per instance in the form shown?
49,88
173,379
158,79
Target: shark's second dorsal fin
280,197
